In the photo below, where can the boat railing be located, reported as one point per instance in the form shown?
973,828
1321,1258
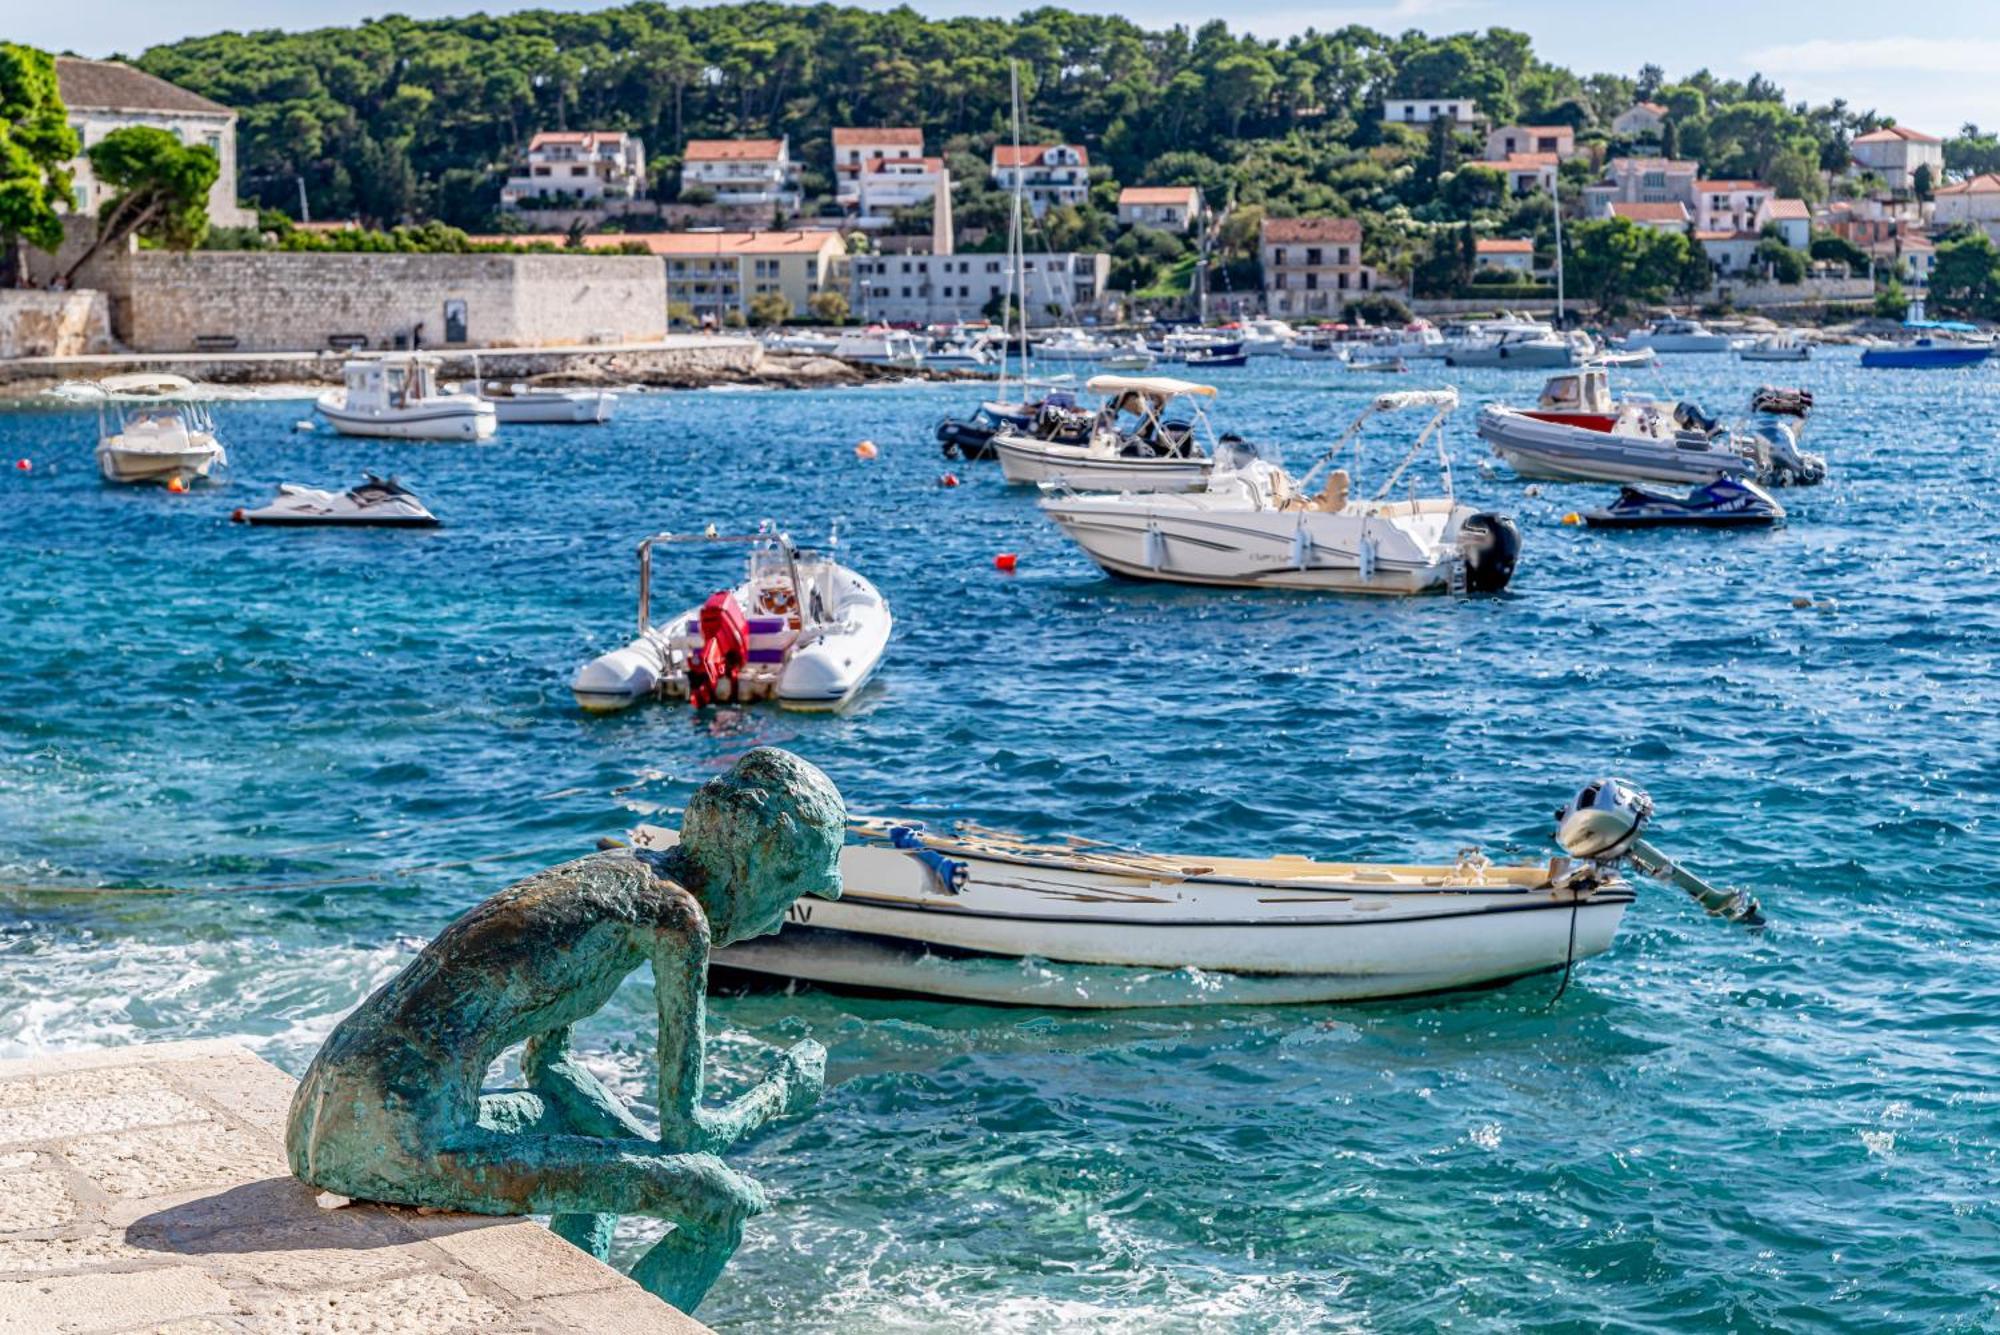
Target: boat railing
767,537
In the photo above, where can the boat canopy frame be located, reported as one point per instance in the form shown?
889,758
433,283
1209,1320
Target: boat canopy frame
1443,402
767,537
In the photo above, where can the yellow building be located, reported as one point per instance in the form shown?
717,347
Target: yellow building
714,273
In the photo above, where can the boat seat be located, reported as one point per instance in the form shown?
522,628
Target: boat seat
1332,498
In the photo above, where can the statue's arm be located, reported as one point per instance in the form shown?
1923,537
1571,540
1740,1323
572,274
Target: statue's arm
584,1105
684,1122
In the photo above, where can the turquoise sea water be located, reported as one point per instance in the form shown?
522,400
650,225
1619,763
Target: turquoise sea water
329,744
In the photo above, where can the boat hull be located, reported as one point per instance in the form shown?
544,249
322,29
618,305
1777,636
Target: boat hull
135,467
554,409
1924,358
1029,462
1557,452
444,422
1513,357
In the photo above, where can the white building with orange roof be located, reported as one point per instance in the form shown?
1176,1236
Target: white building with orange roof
1641,120
1528,172
885,187
1171,208
1641,181
1732,206
1670,216
742,171
1792,218
1049,174
1515,255
1895,152
1975,201
715,272
856,146
582,166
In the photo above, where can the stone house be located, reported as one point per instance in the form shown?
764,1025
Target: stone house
1312,266
105,95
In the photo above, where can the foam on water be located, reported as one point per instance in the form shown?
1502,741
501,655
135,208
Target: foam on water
331,743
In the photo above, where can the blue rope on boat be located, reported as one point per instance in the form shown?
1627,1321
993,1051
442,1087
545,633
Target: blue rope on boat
949,874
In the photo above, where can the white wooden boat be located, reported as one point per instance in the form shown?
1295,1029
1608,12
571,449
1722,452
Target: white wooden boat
1672,334
801,630
977,915
1136,444
547,405
1786,347
881,347
1255,527
397,397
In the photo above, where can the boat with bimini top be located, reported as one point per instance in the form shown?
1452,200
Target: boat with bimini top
1138,441
397,397
151,428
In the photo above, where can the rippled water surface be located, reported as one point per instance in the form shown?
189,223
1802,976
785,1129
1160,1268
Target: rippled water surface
328,744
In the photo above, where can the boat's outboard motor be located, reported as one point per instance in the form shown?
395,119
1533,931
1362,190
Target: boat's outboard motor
1604,824
1780,461
1490,546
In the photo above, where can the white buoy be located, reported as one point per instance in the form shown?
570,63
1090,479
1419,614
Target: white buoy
304,424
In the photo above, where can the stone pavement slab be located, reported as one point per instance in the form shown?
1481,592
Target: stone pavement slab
146,1189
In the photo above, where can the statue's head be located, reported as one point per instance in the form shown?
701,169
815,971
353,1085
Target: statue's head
760,836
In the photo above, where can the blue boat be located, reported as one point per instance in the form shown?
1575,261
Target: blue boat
1926,350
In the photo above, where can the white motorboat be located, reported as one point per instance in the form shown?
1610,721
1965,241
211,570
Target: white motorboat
881,347
1782,347
1129,358
1254,527
806,342
1577,432
151,427
976,915
801,629
1199,346
1320,345
961,355
518,403
1673,334
1133,445
377,503
1417,341
397,397
1514,347
1072,345
1267,337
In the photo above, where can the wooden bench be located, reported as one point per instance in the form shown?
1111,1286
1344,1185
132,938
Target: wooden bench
347,342
216,342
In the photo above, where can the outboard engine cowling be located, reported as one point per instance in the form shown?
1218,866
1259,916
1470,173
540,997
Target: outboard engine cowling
1490,546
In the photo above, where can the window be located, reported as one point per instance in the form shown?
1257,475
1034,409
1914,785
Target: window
1342,283
1654,180
214,141
1341,255
1313,260
1312,281
1278,258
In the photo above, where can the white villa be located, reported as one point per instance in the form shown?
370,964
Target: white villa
1050,174
587,166
886,185
1731,206
1975,201
1895,153
856,146
1666,216
932,289
1509,140
1512,255
743,171
103,95
1463,111
1642,120
1641,181
1172,208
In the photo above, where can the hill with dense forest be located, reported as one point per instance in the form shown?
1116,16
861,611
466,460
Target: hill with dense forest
398,119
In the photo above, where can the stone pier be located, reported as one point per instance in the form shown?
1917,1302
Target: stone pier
145,1189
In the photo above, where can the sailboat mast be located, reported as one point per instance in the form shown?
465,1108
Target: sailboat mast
1018,273
1556,208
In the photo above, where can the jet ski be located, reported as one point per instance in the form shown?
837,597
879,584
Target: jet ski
1726,502
376,503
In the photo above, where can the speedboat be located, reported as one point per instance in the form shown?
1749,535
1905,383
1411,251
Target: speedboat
801,629
397,397
547,404
1936,343
803,341
1132,444
960,356
1416,341
151,427
1254,527
1072,345
1319,345
377,503
1513,343
1214,354
1055,418
1676,335
1264,336
1727,502
878,346
1129,358
972,914
1782,347
1577,432
1181,345
1389,366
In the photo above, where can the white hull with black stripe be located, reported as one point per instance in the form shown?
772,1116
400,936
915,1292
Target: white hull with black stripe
446,417
1063,927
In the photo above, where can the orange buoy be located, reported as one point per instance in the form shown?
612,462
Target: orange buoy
948,480
1572,518
1006,562
176,486
236,516
865,450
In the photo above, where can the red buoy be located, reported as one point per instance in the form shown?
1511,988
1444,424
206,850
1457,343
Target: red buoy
1006,562
23,466
948,480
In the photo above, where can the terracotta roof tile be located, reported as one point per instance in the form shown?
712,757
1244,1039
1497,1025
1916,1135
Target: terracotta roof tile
1030,155
1650,213
1340,231
733,150
1889,134
1158,194
1493,245
900,136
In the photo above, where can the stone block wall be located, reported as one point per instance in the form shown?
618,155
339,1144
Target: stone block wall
53,324
275,301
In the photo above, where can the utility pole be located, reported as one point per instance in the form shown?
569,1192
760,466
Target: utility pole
305,209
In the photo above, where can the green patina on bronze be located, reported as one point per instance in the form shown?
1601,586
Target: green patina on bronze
392,1107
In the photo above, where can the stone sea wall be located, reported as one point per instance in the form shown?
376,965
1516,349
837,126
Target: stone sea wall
274,301
53,324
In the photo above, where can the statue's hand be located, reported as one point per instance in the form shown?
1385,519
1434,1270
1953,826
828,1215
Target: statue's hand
802,1070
